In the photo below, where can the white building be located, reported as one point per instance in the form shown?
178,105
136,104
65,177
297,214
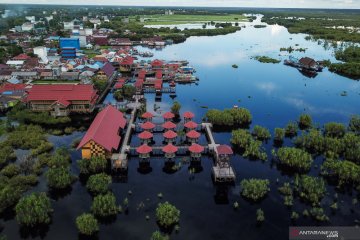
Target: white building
30,18
27,26
68,25
41,52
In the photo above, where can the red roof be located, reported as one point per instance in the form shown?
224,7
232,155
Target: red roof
143,149
104,129
100,59
118,85
128,60
224,150
69,92
147,115
158,74
147,125
145,135
12,87
169,125
139,83
142,73
190,125
168,115
193,134
21,56
196,148
188,115
169,148
170,134
157,63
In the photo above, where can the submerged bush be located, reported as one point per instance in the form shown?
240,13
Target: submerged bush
260,216
255,151
98,183
167,215
105,205
157,235
344,171
354,124
291,129
334,129
313,141
229,117
279,134
261,133
310,188
254,189
240,138
11,170
294,158
305,121
87,224
59,178
33,210
92,165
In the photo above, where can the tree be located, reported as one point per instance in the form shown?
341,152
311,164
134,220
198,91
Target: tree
254,189
260,216
305,121
167,215
33,210
291,129
11,170
354,124
104,205
92,165
158,236
254,150
59,178
175,108
98,183
294,158
335,130
261,133
240,138
87,224
310,188
279,135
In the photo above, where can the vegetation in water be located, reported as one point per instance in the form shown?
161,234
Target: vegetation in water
254,189
59,178
157,235
229,117
291,129
261,133
167,215
294,158
33,210
175,108
279,134
260,216
251,148
98,183
265,59
305,121
87,224
92,165
311,189
104,205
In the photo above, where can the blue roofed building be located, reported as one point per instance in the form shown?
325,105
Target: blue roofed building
70,43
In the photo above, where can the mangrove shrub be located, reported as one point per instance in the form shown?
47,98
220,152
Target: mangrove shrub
87,224
294,158
98,183
167,215
254,189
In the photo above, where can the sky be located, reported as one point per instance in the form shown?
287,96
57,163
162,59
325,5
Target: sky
350,4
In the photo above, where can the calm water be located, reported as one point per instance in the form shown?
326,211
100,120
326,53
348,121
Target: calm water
274,93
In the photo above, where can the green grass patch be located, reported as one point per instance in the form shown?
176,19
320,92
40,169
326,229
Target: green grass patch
182,19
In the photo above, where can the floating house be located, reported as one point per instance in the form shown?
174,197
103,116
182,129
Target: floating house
168,116
195,151
169,125
170,150
170,136
188,116
103,136
145,137
148,126
193,136
147,116
190,125
144,151
61,100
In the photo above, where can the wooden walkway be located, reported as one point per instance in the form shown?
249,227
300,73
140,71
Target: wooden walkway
111,81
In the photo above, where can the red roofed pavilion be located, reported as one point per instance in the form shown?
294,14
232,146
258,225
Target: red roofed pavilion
192,136
196,150
224,152
146,136
170,150
188,115
147,116
168,115
144,151
169,125
190,125
148,126
102,136
170,136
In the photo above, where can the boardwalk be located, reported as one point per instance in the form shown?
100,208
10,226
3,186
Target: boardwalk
120,160
108,87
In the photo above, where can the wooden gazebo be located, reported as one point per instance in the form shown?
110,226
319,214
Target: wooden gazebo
146,137
148,126
170,136
147,116
144,151
192,136
168,116
170,151
188,116
195,151
168,125
190,125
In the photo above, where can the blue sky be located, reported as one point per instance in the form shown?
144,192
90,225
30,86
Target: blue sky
352,4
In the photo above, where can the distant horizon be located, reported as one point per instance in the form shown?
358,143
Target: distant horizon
266,4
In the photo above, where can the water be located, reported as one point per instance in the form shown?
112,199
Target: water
274,93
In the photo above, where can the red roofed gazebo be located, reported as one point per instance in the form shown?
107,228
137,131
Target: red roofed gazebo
224,152
169,125
146,136
193,136
190,125
188,116
170,136
170,150
168,115
144,151
196,150
148,116
149,126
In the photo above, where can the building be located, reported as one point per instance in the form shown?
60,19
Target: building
68,53
106,71
41,52
103,136
27,26
70,43
62,100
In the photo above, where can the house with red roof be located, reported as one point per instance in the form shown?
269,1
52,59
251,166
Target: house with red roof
61,100
126,64
106,71
103,136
